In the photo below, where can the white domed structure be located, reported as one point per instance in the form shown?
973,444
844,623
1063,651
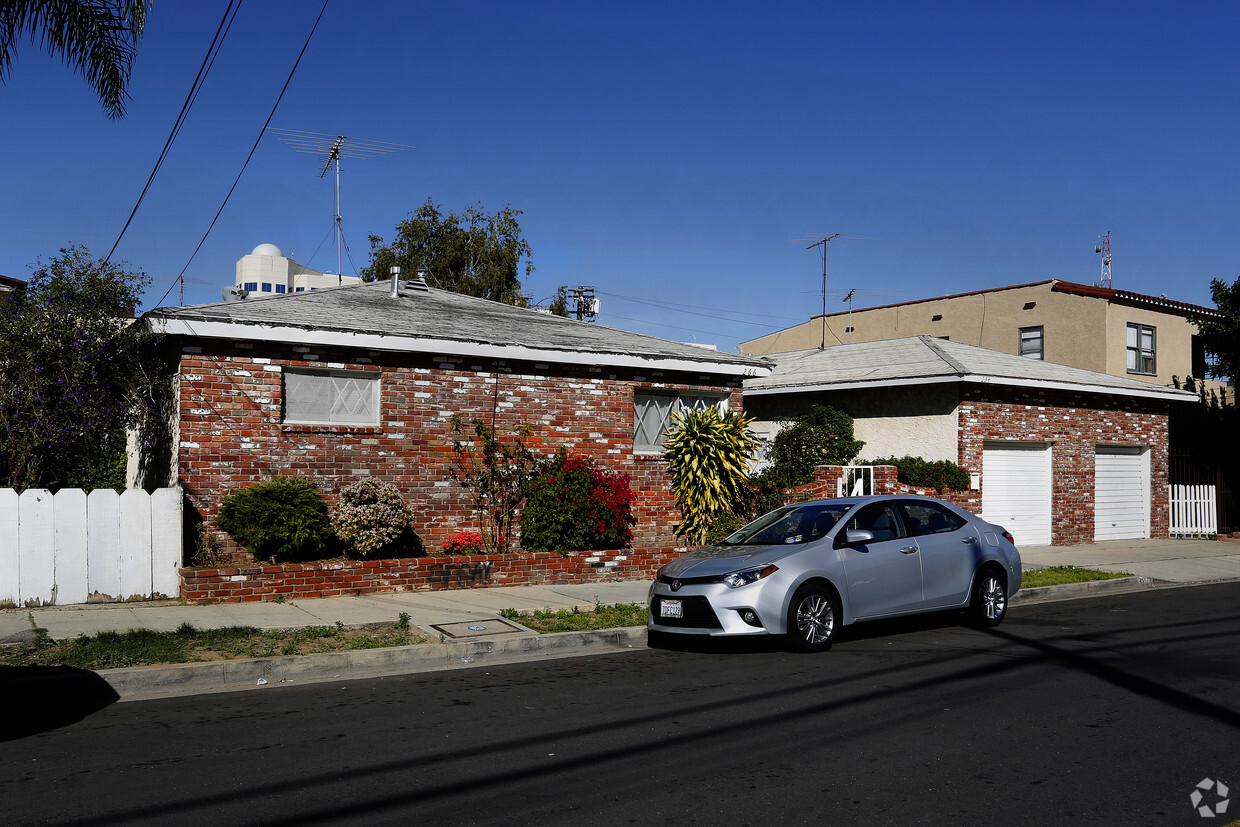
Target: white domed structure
267,271
267,250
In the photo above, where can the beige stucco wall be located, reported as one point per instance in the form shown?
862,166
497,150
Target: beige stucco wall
920,422
1173,348
1082,331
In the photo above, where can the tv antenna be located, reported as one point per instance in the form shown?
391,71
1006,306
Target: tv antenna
329,149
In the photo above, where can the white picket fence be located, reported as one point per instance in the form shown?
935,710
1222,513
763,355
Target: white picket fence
73,547
1194,510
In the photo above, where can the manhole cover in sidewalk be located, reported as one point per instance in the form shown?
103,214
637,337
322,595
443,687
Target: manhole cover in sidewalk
477,628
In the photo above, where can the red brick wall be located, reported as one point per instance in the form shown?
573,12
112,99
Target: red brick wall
338,577
231,434
1074,424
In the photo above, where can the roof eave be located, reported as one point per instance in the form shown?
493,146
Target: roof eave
409,344
1156,392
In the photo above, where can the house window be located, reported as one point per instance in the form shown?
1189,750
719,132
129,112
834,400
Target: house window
280,288
250,285
1031,342
266,287
1141,349
337,398
652,414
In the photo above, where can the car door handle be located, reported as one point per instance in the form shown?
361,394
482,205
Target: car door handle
908,550
968,540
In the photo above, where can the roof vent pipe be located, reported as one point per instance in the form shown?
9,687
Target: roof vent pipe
394,273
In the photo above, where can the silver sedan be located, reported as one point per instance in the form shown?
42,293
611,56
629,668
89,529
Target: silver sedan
807,569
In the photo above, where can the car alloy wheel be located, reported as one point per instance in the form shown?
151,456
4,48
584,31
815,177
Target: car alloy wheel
989,599
812,618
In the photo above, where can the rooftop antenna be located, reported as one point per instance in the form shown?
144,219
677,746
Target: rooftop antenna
823,244
848,299
330,149
1105,249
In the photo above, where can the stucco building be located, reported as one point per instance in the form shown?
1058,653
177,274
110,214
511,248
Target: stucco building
1148,338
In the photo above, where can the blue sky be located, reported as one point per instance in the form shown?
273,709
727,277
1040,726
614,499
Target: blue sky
677,156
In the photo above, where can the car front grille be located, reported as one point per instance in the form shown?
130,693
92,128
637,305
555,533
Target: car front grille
697,613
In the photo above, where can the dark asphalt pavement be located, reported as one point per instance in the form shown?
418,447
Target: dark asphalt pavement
1100,711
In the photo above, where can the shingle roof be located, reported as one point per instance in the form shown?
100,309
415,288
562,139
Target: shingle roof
419,320
925,360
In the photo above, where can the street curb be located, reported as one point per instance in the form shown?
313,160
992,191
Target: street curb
1088,588
147,682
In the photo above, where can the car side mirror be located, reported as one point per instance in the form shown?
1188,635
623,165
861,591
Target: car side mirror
857,536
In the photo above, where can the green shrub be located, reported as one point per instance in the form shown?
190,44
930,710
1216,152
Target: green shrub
707,455
573,506
372,519
722,525
941,475
823,436
284,517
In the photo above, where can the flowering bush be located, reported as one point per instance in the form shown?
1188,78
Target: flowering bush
370,516
466,542
573,506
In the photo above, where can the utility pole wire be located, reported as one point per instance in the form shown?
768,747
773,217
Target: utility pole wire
254,148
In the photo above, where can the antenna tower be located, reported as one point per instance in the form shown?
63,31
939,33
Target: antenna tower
1105,249
823,244
329,149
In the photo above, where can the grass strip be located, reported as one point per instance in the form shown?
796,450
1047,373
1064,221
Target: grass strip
576,620
1060,575
187,644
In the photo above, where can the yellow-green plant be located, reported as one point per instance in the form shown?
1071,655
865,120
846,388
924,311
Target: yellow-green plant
707,454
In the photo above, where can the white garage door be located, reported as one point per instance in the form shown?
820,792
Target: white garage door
1016,490
1121,493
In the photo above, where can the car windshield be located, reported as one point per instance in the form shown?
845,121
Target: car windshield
793,524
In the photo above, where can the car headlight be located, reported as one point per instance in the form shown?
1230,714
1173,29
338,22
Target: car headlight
743,578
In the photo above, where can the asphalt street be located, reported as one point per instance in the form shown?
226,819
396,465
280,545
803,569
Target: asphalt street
1106,710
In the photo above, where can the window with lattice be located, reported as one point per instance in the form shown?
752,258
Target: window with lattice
335,398
652,414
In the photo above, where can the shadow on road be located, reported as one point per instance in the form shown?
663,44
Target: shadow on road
41,698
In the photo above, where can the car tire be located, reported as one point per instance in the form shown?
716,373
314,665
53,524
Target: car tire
813,618
989,602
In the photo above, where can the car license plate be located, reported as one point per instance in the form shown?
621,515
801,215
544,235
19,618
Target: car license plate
671,608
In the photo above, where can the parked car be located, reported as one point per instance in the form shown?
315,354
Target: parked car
805,570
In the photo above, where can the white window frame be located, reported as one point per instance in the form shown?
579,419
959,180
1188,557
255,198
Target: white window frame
1142,360
654,408
340,397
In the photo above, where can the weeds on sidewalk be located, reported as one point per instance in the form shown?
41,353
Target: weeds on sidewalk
575,620
1059,575
143,647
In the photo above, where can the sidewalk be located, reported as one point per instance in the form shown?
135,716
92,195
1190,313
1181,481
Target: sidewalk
469,624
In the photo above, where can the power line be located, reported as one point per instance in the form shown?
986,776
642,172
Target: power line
254,148
208,61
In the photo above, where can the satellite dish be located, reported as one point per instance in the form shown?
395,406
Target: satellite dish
233,293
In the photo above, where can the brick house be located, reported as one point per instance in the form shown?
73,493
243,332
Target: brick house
362,381
1061,455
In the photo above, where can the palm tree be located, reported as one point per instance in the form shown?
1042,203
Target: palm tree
97,38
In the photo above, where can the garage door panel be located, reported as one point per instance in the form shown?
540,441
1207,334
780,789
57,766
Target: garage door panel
1121,493
1016,491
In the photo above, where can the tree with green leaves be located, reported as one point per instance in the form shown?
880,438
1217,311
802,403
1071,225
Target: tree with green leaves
708,455
1220,336
98,39
475,252
74,374
821,436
